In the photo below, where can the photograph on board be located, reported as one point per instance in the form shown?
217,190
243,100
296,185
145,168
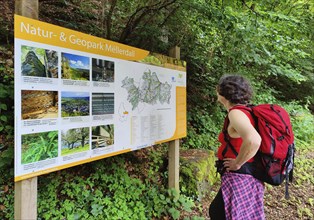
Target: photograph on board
74,141
102,70
39,146
74,104
102,103
74,67
38,104
39,62
102,136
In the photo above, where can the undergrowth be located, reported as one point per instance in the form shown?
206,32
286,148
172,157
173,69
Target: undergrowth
105,189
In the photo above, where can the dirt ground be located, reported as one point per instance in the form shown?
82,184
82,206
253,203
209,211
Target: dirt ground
299,206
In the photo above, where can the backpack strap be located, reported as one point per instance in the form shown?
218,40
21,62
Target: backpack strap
289,176
227,138
248,108
226,124
279,115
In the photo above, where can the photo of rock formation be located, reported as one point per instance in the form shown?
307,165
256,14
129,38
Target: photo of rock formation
37,104
39,62
102,70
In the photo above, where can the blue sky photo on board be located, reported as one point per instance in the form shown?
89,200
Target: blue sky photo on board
74,94
75,67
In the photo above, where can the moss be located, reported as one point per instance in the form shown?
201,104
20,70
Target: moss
197,172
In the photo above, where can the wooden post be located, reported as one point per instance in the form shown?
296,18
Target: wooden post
25,199
174,154
25,196
27,8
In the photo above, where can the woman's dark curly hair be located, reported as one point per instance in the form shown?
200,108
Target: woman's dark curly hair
235,88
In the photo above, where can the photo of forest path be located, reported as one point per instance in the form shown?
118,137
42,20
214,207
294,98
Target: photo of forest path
39,62
74,141
74,104
39,146
102,136
38,104
75,67
102,70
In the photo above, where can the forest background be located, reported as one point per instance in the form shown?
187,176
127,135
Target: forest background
268,41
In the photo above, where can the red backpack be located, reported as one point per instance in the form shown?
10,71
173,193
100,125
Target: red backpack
275,158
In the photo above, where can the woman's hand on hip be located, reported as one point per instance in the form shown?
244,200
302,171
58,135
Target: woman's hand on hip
231,165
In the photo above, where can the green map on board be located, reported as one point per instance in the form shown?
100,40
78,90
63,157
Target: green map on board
150,90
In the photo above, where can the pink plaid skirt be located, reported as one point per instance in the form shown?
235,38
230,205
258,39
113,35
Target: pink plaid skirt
243,197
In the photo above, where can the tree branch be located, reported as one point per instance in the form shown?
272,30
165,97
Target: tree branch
109,19
168,16
140,13
252,8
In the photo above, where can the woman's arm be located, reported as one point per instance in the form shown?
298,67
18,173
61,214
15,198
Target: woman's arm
250,137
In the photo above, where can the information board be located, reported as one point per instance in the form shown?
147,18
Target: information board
80,98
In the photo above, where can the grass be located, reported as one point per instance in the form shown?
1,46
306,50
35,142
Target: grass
79,149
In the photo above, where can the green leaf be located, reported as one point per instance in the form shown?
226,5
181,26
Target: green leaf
175,214
3,118
3,106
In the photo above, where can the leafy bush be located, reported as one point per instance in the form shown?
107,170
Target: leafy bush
100,190
270,44
302,122
105,190
203,128
6,108
6,193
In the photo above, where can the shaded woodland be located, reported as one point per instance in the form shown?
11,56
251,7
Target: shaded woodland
268,41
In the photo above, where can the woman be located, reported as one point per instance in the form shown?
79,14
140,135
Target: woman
241,195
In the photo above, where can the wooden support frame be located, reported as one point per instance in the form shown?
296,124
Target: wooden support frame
25,191
27,8
25,199
174,153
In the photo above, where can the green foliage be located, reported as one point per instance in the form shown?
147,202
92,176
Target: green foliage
303,176
203,128
39,146
6,193
6,131
197,173
270,42
302,122
6,108
40,53
100,190
71,104
6,23
67,151
303,164
269,45
106,191
74,140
